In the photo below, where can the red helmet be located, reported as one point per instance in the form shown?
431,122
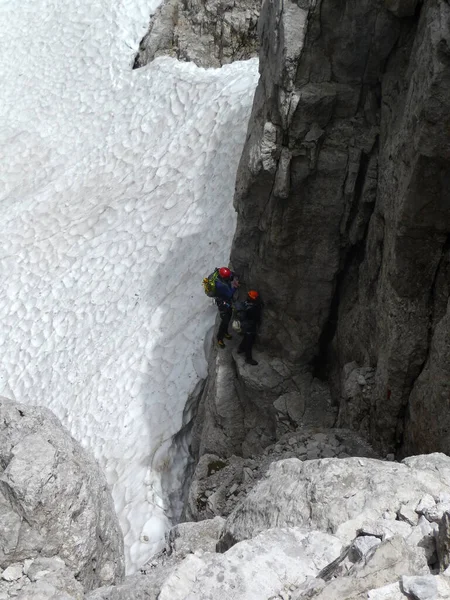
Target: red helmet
225,273
253,295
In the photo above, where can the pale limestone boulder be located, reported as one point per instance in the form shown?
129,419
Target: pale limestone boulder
345,497
182,541
40,579
364,543
54,499
135,587
13,572
218,484
187,538
424,535
426,587
392,559
361,501
256,569
391,591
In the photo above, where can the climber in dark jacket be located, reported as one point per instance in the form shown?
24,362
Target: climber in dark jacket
250,315
226,285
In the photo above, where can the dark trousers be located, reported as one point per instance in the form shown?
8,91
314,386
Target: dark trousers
225,318
247,344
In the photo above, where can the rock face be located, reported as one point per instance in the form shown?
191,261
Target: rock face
210,33
330,529
343,208
54,501
183,540
388,563
346,497
244,409
255,569
218,484
187,538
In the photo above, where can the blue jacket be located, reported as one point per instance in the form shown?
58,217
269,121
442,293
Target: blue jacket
224,290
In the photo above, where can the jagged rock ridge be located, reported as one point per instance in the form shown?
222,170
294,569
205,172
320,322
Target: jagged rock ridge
210,33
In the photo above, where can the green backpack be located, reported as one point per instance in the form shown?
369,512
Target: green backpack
209,283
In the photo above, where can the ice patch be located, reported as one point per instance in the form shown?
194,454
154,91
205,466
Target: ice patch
115,199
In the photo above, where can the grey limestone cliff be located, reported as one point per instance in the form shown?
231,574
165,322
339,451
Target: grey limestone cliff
343,201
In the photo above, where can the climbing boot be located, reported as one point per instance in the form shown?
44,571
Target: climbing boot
227,336
220,343
251,361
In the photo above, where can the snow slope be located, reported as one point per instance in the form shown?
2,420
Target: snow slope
115,199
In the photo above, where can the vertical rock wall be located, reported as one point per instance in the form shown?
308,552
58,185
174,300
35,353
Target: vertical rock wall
307,180
344,206
401,282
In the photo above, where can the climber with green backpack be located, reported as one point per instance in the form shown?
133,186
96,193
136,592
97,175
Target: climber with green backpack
221,285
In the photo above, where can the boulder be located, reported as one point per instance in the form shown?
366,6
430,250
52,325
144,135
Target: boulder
443,542
256,569
426,587
328,529
135,587
182,541
219,483
392,559
345,497
40,579
54,499
13,572
391,591
187,538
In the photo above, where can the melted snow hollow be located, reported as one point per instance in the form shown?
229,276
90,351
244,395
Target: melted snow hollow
115,199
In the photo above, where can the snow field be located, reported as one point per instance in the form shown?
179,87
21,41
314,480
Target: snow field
115,200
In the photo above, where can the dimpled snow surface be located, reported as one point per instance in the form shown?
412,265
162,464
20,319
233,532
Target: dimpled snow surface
116,194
